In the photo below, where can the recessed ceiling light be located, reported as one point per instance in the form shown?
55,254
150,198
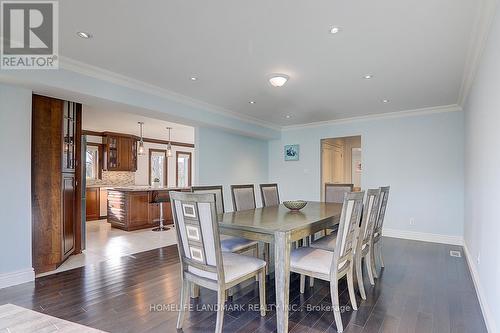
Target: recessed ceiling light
83,34
288,116
385,101
252,102
278,80
368,76
194,78
334,30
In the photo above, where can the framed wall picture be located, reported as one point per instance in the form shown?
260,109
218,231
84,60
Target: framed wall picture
292,152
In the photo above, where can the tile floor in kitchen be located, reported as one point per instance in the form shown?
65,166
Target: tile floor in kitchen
106,243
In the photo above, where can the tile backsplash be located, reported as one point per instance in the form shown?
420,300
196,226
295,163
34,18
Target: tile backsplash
118,178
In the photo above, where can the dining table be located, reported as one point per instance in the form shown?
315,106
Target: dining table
280,226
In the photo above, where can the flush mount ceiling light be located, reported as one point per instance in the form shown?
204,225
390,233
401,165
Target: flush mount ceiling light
194,78
278,80
368,76
334,30
385,101
252,102
288,116
84,35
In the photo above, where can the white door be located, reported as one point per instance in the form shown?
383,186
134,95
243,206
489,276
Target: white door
338,165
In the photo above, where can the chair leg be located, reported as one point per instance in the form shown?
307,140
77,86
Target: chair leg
372,260
369,266
184,302
359,275
380,254
195,291
221,300
267,255
311,282
350,286
334,292
302,283
256,255
262,292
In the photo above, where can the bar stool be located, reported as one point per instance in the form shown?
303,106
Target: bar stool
157,199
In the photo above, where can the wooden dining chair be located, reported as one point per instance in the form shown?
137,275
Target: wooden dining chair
377,233
269,194
228,243
335,192
202,261
243,197
364,249
332,266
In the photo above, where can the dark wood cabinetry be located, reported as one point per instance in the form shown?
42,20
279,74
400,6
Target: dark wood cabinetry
69,214
92,209
133,209
56,198
121,152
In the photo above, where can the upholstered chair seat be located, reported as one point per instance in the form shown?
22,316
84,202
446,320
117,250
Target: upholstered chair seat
327,242
235,266
236,244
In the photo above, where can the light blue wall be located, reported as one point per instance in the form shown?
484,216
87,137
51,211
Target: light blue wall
482,178
224,159
15,192
420,157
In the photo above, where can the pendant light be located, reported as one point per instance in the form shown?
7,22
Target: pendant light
169,145
141,150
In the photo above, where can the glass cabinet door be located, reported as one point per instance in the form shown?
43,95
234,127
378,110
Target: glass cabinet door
69,131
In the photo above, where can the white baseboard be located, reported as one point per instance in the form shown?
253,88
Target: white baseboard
485,309
17,277
423,236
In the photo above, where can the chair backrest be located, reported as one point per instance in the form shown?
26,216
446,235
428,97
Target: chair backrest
370,214
217,190
197,230
269,194
335,192
384,195
243,197
348,229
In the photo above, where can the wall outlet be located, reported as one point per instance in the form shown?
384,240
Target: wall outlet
412,221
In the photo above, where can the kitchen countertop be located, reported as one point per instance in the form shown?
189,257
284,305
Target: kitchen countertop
100,185
147,188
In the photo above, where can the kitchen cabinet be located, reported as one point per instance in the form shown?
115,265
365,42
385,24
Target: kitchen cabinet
69,214
56,192
121,152
92,202
132,208
103,202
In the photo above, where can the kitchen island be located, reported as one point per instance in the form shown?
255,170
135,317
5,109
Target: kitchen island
131,208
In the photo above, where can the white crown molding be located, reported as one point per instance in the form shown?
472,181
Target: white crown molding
125,81
423,236
17,277
397,114
477,43
489,319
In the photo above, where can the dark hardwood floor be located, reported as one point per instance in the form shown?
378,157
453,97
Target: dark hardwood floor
421,289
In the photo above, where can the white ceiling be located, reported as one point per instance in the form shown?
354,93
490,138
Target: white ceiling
112,118
416,51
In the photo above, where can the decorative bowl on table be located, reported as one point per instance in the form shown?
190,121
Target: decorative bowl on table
295,205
